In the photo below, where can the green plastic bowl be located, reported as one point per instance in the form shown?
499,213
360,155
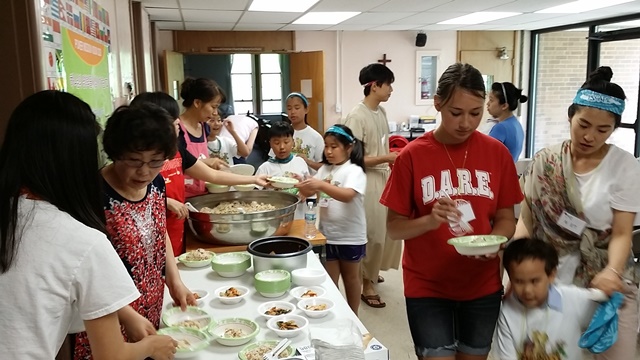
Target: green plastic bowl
231,264
477,244
198,340
272,283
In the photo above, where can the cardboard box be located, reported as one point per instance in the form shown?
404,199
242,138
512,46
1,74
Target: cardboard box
376,351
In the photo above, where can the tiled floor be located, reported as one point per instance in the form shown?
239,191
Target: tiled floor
389,325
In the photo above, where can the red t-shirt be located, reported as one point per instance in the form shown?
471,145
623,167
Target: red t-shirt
431,267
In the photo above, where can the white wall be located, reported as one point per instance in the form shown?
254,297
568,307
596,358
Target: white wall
346,52
147,51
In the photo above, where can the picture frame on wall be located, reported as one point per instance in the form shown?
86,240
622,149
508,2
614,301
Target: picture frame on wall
428,69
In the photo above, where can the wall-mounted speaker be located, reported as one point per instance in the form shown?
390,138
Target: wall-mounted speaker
421,39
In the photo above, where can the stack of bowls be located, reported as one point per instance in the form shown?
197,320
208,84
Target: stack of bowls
272,283
231,264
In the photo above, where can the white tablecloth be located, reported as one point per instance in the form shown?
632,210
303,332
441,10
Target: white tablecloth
207,279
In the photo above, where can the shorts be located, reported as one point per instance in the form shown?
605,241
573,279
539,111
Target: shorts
443,327
345,252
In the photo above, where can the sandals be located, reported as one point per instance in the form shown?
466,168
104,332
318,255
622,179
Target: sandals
373,300
380,279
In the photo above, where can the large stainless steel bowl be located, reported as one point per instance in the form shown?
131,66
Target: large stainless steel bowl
241,229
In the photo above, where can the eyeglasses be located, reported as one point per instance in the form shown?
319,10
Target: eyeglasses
153,164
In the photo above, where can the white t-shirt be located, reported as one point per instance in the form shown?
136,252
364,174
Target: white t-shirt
243,125
295,166
62,270
223,148
343,223
564,318
308,142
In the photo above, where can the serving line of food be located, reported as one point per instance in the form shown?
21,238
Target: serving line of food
249,301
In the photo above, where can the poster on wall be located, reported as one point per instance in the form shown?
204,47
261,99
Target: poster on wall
76,40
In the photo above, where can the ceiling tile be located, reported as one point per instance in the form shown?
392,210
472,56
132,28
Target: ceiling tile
377,18
257,26
211,16
209,26
429,18
528,6
470,6
214,4
395,27
438,27
410,5
268,17
160,3
169,25
160,14
351,27
522,19
347,5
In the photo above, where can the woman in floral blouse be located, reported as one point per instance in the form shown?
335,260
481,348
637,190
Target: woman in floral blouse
582,196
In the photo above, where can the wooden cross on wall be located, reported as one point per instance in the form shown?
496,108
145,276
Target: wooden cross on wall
384,60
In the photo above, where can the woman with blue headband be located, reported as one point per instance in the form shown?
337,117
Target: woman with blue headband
582,196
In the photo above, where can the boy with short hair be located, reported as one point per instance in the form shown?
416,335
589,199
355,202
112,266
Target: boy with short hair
284,163
540,319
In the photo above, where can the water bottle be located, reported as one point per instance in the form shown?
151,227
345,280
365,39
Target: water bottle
310,221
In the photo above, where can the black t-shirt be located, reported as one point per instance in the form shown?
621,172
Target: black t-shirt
205,128
188,160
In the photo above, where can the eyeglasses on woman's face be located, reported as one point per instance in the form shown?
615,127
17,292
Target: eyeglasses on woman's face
135,163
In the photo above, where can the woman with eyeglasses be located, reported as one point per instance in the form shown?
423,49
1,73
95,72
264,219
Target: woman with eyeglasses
138,141
504,98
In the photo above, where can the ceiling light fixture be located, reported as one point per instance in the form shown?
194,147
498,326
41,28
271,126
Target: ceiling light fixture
282,5
325,18
581,6
478,18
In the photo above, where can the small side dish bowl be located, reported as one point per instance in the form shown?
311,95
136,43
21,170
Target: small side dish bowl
272,283
230,295
234,331
308,277
196,258
258,349
282,182
193,317
306,292
190,341
316,307
477,245
271,309
231,264
216,188
288,326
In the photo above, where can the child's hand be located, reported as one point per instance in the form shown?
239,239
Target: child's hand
310,186
137,327
391,158
177,208
229,125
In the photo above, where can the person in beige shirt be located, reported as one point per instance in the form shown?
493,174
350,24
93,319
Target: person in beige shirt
368,121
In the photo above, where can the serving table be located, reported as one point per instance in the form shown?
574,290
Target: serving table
207,279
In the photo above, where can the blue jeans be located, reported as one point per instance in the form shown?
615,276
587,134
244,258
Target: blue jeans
442,327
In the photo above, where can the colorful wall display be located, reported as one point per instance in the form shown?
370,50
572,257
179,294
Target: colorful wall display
76,40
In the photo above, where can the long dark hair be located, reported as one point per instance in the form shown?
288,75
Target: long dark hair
509,94
159,98
51,151
600,82
357,152
201,89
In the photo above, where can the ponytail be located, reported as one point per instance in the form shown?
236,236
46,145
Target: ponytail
357,154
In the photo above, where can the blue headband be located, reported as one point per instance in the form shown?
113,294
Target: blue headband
298,95
339,130
600,101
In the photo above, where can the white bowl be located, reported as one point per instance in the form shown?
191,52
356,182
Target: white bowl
197,340
477,245
264,307
305,292
193,317
262,347
308,277
242,169
282,182
301,321
220,328
219,293
247,187
216,188
195,263
317,301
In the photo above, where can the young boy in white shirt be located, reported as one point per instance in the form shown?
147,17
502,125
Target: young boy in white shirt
223,147
540,319
284,163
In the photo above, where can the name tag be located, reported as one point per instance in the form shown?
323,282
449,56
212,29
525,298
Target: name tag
572,223
188,181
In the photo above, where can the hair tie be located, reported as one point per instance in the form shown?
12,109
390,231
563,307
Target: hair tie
369,83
